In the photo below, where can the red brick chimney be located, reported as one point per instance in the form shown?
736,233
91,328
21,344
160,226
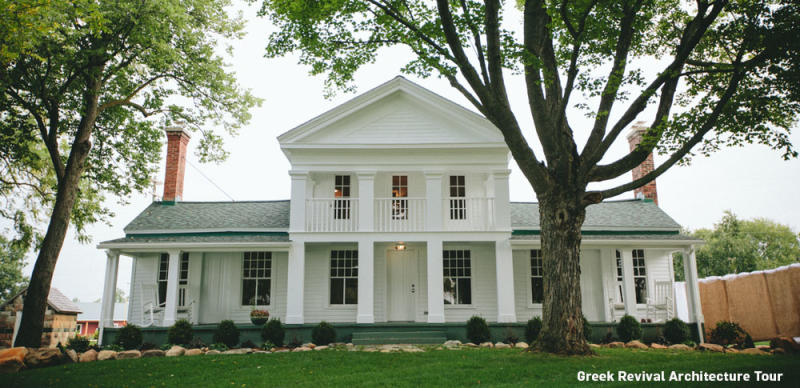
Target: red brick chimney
649,190
177,142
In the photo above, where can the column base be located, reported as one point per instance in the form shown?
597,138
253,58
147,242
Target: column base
506,318
365,319
294,319
435,318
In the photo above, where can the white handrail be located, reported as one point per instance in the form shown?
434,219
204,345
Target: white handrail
332,215
399,214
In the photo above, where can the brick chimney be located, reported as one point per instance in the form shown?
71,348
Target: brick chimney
177,142
649,190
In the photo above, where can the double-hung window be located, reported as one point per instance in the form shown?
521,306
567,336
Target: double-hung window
341,193
344,277
399,197
537,280
256,278
458,202
457,270
620,283
639,275
183,278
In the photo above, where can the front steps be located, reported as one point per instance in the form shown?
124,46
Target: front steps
398,337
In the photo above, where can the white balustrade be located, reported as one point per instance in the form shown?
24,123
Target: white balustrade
468,214
401,214
332,215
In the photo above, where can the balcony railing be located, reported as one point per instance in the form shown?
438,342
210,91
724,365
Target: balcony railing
399,214
468,214
332,215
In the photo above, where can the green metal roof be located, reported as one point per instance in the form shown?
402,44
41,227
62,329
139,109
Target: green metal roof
631,214
163,217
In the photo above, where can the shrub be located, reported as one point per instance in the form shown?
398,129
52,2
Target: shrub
165,347
227,333
129,337
729,333
218,346
148,346
676,331
78,343
113,347
510,337
295,343
180,333
628,329
273,332
748,342
477,330
532,329
249,344
587,329
196,343
267,345
323,334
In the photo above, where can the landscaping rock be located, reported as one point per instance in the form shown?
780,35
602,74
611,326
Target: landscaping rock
193,352
731,350
106,355
615,344
501,345
778,351
73,355
657,346
213,352
323,347
521,345
309,345
38,358
411,349
238,351
710,347
153,353
279,351
765,348
786,343
595,346
128,354
175,351
12,360
470,345
753,351
636,344
487,345
88,356
260,351
302,349
680,347
452,343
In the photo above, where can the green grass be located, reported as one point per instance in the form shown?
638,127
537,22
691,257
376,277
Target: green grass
440,368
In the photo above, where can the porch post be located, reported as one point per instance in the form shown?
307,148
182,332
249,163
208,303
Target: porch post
435,282
433,204
692,289
502,210
296,283
629,288
171,304
366,203
504,268
366,277
297,206
606,262
109,292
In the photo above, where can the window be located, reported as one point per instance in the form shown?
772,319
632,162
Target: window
256,278
620,283
458,193
399,190
457,277
639,275
163,273
341,189
344,277
537,282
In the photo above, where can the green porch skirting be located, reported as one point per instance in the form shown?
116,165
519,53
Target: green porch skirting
344,331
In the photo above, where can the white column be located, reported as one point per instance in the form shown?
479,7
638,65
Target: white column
693,290
109,292
627,281
504,267
502,209
366,278
433,203
435,282
171,304
297,207
366,202
296,283
195,282
606,262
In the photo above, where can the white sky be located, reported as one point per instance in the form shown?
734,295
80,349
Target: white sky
752,181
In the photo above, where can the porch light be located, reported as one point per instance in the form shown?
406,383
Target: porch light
400,246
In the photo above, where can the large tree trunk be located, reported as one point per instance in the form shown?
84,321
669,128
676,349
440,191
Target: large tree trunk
561,217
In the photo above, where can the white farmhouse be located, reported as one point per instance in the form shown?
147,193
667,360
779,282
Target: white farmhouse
399,227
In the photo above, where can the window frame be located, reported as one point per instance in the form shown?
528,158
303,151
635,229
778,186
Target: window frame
642,267
399,192
269,258
354,275
182,281
342,190
531,276
619,283
459,211
470,277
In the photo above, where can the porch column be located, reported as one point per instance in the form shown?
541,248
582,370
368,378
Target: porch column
606,277
502,210
171,304
296,283
629,288
109,292
505,281
435,282
692,290
366,279
366,202
297,206
433,204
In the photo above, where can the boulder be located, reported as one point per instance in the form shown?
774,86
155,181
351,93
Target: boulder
710,347
301,349
778,351
41,357
680,347
175,351
73,355
193,352
88,356
411,349
731,350
238,351
615,344
521,345
128,354
594,346
213,352
765,348
279,351
487,345
12,360
753,351
106,355
310,345
153,353
501,345
636,344
452,343
657,346
786,343
470,345
323,347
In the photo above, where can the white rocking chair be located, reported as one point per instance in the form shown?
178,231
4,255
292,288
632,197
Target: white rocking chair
661,301
148,295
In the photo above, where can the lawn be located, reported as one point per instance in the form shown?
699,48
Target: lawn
439,368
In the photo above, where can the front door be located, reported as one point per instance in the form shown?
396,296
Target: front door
402,283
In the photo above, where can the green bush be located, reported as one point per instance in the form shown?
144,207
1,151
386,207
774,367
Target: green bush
628,329
729,333
532,329
587,329
227,333
218,346
477,330
180,333
165,347
78,343
323,334
676,331
113,347
273,332
129,337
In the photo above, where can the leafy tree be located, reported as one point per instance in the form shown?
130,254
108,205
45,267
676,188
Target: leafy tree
727,73
95,93
735,246
12,259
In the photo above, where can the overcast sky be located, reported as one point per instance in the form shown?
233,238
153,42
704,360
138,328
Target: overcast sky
752,181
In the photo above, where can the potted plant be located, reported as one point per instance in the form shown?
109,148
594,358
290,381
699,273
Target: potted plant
259,317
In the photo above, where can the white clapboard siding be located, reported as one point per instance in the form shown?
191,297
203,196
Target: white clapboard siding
484,284
144,272
316,306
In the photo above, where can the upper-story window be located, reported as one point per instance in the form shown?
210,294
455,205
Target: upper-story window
639,275
256,278
344,277
400,190
537,280
341,191
457,269
620,284
183,278
458,193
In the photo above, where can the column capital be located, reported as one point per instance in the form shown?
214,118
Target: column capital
112,253
433,174
298,174
504,173
366,174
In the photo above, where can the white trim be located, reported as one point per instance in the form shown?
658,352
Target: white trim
193,246
608,228
442,145
211,230
587,243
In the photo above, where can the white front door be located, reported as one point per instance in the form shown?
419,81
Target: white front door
403,282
